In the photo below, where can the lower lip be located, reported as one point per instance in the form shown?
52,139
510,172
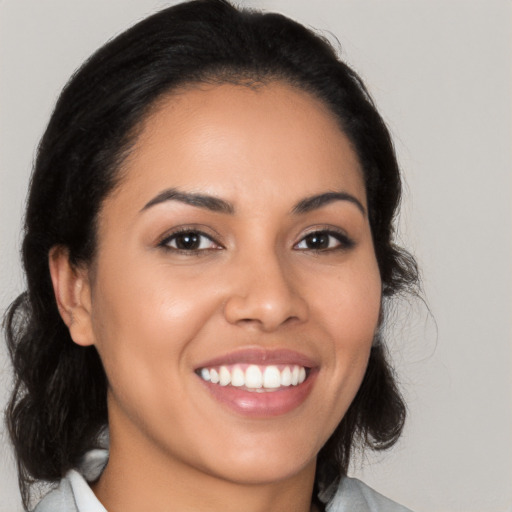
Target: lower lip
264,404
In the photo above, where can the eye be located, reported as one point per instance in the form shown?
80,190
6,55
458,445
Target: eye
189,241
324,240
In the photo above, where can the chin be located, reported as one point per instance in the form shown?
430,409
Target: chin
264,472
265,460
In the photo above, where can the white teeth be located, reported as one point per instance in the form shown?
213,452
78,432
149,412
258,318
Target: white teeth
237,377
286,377
271,377
214,376
255,377
295,375
224,376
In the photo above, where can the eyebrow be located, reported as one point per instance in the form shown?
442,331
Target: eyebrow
207,202
218,205
317,201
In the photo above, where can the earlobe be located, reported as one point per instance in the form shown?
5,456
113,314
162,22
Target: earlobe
73,295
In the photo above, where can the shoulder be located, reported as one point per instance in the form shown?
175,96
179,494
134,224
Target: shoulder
73,493
60,499
352,494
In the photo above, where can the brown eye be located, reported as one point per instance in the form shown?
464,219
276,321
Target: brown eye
189,241
317,241
324,241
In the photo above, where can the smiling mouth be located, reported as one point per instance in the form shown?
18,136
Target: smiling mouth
258,383
255,378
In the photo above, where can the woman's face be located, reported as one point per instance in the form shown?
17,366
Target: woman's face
234,260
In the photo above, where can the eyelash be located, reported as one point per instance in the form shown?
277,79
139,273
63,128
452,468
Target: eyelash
343,241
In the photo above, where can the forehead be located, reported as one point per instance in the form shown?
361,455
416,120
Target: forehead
242,143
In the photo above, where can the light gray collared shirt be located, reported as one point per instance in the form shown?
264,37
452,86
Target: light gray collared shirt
74,494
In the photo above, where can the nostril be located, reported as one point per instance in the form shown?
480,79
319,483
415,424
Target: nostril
263,293
265,315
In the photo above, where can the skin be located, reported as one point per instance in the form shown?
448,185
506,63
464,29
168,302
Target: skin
155,314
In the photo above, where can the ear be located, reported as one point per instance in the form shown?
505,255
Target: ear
73,295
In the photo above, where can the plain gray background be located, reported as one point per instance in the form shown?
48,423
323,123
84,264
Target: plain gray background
440,72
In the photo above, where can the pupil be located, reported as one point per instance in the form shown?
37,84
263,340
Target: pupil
187,241
318,241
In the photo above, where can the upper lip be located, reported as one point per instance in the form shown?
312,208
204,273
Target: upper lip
260,356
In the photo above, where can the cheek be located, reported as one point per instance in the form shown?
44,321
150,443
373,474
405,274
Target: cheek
348,311
137,294
145,326
143,320
351,302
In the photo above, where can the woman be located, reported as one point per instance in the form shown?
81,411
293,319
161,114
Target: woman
209,251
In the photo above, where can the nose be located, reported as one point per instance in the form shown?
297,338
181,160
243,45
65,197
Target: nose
264,294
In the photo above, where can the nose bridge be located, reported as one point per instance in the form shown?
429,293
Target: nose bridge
263,291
